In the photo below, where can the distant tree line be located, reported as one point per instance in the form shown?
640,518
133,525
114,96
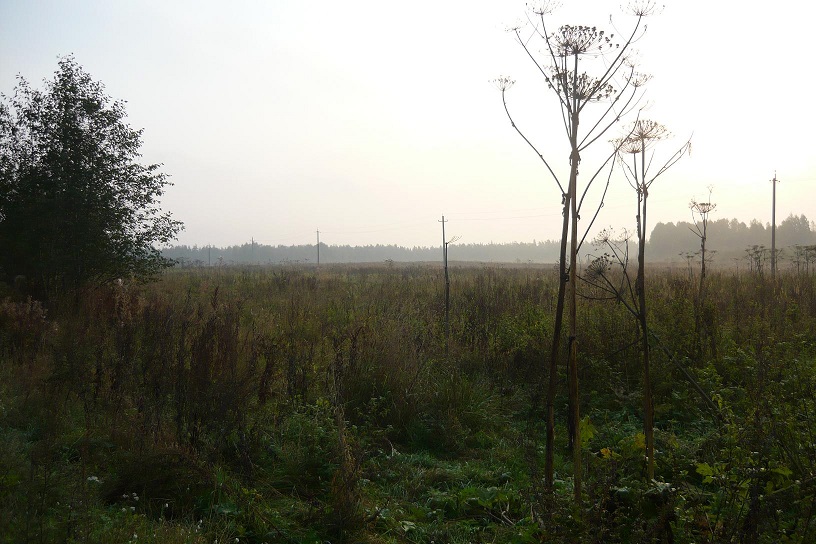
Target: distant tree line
669,242
519,252
730,240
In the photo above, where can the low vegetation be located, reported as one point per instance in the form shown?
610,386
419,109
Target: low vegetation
289,404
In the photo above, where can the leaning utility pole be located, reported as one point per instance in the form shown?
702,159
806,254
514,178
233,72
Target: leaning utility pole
774,181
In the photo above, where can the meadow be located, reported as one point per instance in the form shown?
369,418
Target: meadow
291,404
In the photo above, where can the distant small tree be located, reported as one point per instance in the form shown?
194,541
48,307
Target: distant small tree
77,207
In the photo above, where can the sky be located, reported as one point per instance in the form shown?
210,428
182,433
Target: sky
370,120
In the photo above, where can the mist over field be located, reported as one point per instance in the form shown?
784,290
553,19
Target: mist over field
731,240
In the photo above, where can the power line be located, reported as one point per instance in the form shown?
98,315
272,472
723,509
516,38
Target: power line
367,230
514,210
508,218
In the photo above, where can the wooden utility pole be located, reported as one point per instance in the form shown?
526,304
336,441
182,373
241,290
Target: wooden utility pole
447,279
318,248
774,181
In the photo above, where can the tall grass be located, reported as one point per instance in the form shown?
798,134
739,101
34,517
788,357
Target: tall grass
285,404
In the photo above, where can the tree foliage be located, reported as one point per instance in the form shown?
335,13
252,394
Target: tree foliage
76,206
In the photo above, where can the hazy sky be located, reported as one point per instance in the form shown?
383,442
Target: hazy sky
368,120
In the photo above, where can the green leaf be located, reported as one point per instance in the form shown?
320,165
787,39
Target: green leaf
587,430
783,471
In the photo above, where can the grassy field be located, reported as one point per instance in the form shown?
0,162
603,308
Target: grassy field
287,404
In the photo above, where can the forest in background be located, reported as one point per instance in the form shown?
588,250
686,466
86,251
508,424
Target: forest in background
730,239
732,242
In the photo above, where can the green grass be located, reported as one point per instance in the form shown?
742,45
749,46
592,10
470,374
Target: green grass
289,405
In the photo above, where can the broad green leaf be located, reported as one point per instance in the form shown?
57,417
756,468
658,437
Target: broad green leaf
783,470
588,430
